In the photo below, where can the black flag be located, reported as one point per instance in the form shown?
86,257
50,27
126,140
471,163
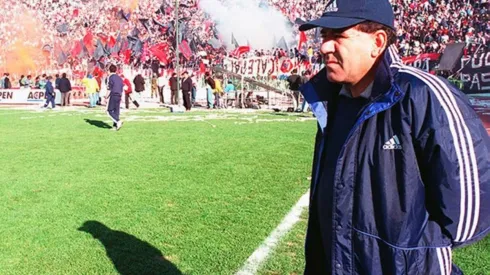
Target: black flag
99,51
145,23
233,41
161,10
135,32
282,44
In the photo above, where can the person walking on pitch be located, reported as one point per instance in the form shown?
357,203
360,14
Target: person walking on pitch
114,98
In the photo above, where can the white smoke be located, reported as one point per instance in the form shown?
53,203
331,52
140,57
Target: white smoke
259,25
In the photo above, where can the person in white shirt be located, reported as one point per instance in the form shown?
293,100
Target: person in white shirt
161,85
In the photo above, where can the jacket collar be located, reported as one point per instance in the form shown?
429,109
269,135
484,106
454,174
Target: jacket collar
320,89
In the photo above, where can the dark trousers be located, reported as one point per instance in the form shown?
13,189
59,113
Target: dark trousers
127,99
187,100
50,99
173,97
113,109
160,94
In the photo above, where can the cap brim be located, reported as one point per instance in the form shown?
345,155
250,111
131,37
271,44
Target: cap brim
331,22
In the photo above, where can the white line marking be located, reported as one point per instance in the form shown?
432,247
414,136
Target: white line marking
259,256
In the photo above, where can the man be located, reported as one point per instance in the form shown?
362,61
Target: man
218,91
29,83
172,82
161,85
139,83
2,81
186,90
304,79
401,173
230,93
21,81
114,98
6,82
210,86
294,81
194,89
50,94
154,86
91,88
128,90
42,81
98,78
57,82
64,85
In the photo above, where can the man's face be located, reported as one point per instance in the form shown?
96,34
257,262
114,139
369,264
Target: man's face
347,54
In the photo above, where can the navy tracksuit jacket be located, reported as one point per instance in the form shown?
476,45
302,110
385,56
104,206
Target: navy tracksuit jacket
116,89
412,180
50,94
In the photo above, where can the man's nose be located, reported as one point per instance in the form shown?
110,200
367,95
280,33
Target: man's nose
327,46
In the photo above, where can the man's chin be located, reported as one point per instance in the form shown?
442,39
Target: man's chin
334,78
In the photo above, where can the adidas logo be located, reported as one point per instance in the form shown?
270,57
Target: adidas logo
331,6
393,144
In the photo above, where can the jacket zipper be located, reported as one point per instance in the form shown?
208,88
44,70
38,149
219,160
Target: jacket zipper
349,136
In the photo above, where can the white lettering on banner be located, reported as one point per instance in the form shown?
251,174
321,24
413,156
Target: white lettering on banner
422,64
26,96
481,61
478,81
422,61
476,73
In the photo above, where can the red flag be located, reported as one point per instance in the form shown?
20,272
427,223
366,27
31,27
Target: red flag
98,71
88,39
103,38
127,56
77,49
202,67
241,50
302,39
159,51
185,49
112,41
75,13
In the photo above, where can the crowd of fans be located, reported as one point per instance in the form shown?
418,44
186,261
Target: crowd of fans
423,25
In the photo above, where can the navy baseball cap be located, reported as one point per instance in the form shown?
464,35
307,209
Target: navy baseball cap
341,14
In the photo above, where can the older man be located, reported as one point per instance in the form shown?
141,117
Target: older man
401,172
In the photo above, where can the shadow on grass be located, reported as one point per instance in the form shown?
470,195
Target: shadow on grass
129,254
98,123
292,114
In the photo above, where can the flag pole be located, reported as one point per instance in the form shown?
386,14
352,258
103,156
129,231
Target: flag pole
177,52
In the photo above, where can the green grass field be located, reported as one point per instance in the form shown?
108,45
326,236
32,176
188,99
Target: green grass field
168,194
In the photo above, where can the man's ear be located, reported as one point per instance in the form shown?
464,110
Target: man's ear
380,43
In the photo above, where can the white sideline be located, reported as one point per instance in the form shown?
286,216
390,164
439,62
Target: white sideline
259,256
